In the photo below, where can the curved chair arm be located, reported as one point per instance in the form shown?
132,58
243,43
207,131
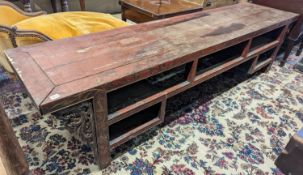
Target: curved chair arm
26,33
13,32
8,31
29,14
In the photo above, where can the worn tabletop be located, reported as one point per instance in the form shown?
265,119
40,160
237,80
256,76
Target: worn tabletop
57,70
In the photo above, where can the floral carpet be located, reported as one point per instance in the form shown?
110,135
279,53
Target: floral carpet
232,124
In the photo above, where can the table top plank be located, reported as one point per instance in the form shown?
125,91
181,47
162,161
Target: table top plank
103,59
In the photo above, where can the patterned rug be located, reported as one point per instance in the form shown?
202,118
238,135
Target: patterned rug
232,124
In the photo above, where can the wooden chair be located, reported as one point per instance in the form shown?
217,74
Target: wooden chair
64,5
13,32
296,32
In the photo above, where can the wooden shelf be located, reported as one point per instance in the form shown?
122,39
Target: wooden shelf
221,61
126,129
219,58
134,108
265,39
262,60
265,56
136,92
263,49
139,106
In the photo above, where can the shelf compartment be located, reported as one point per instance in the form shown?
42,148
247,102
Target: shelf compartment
265,56
130,94
262,60
212,61
128,128
263,49
265,39
134,108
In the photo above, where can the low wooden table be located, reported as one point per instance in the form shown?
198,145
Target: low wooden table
111,86
148,10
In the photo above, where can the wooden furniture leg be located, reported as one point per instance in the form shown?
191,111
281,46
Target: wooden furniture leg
289,46
123,14
64,5
11,153
88,120
82,5
102,130
54,6
291,159
281,39
300,48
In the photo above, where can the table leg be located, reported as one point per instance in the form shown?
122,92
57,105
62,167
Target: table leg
64,5
289,46
102,130
79,120
123,14
291,158
88,120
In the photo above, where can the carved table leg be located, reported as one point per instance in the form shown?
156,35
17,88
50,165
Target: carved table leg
79,119
89,121
64,5
27,5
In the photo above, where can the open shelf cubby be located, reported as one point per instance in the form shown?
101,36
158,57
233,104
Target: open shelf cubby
130,94
216,59
265,39
134,121
265,56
